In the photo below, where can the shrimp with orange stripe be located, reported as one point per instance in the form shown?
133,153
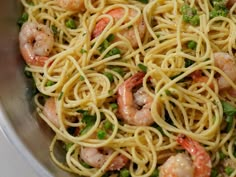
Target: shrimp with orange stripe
199,165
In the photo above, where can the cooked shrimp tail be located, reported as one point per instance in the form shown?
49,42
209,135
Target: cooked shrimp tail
201,159
199,165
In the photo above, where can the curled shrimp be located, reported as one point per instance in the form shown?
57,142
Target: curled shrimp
36,43
181,165
96,157
227,64
128,105
49,111
129,33
72,5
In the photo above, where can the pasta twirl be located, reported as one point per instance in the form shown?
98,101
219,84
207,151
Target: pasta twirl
121,81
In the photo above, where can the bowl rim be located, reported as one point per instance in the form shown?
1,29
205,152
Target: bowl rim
11,136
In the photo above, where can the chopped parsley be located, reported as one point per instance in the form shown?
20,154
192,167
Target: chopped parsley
24,18
142,67
88,119
190,15
219,9
71,24
229,111
49,83
60,96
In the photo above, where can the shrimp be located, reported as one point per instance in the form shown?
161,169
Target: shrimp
49,111
72,5
36,43
181,165
177,166
96,157
227,64
129,33
127,107
199,78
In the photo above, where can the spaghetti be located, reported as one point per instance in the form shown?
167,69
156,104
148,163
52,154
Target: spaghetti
91,91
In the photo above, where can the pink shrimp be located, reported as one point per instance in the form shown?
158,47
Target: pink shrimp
49,111
96,157
126,102
199,78
72,5
129,33
36,43
227,64
181,165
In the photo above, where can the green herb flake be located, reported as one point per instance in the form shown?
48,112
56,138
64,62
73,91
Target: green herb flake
124,173
82,51
60,96
85,165
114,51
81,78
222,155
177,75
131,26
119,70
168,92
142,67
155,173
214,172
219,9
229,170
71,24
89,120
158,35
230,112
49,83
114,105
188,62
190,15
109,76
111,38
24,18
105,44
83,112
111,92
228,109
67,146
101,134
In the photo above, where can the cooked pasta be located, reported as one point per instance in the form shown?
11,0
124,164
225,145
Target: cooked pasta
127,84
